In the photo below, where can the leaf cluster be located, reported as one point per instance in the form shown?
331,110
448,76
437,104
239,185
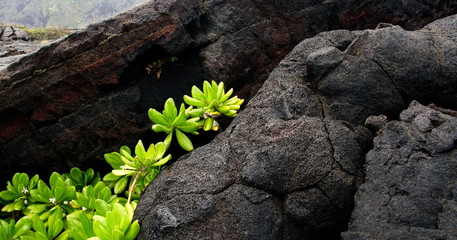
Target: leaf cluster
59,208
204,108
83,205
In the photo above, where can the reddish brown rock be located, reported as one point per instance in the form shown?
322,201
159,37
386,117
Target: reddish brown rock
75,99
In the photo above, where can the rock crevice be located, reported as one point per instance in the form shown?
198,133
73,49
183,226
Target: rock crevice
287,148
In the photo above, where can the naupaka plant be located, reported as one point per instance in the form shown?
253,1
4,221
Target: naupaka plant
137,170
211,103
82,205
205,107
174,122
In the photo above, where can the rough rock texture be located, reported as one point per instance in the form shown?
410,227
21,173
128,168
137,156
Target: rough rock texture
289,164
411,180
87,94
12,51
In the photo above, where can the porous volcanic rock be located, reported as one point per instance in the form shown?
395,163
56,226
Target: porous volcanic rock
411,179
87,94
289,164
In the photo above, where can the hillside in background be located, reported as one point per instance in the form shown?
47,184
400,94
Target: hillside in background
61,13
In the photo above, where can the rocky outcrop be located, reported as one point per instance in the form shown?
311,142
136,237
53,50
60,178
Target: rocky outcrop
289,164
74,100
10,33
411,176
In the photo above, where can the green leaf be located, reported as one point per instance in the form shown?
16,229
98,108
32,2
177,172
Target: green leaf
181,119
18,205
126,149
64,235
151,153
157,117
197,94
117,234
161,128
193,101
123,172
55,180
22,226
188,127
120,185
76,175
162,161
86,225
100,228
113,159
208,124
170,112
226,96
110,177
184,141
38,225
41,236
207,91
133,231
168,140
55,224
214,89
220,90
8,195
126,154
139,150
101,206
160,150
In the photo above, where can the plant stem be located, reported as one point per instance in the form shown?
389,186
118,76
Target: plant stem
135,180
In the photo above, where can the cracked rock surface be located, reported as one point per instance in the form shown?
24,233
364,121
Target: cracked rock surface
290,163
411,180
70,102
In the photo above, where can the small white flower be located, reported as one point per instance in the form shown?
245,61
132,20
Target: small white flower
84,209
52,200
65,202
24,190
26,202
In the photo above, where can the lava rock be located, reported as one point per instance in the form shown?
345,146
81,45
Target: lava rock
411,176
301,141
70,102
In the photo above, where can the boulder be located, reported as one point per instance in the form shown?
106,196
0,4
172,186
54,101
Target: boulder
7,34
411,175
87,94
10,33
289,164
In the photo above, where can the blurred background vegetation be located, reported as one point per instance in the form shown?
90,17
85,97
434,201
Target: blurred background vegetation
72,14
42,33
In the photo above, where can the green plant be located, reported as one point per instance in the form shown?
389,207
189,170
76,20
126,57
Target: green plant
209,104
13,230
78,205
86,199
80,178
140,169
173,122
49,231
110,222
17,196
